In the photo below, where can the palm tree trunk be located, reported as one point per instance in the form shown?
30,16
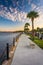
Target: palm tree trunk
33,28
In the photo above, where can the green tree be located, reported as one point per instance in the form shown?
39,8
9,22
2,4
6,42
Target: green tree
26,29
32,15
38,29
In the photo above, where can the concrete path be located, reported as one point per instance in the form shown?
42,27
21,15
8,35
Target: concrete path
25,54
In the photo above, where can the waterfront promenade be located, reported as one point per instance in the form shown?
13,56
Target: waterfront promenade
26,54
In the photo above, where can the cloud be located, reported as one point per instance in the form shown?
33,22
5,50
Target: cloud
14,15
33,6
29,2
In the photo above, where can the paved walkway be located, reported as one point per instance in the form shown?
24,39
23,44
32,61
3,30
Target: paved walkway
25,54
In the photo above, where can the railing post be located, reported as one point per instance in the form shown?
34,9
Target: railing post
13,41
7,51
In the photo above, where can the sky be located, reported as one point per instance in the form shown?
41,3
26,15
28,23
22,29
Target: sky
13,14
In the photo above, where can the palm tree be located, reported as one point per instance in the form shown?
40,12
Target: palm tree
32,15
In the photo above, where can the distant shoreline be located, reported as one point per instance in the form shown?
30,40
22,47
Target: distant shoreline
10,31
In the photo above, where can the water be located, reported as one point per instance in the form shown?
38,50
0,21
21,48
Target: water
6,38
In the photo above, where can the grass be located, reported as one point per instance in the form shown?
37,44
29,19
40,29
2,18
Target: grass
38,41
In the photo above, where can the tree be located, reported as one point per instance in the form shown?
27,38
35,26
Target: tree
26,29
32,15
38,29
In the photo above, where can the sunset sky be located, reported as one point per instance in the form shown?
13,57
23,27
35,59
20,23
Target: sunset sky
13,14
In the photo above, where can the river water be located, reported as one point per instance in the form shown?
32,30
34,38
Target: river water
6,38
